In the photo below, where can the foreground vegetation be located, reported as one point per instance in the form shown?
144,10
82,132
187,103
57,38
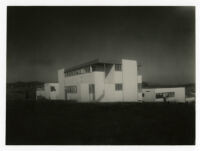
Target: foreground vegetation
62,123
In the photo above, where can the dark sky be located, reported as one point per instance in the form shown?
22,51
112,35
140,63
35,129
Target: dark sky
40,40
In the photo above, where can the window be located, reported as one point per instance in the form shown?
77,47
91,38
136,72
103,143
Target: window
87,69
142,94
118,86
165,94
159,95
171,94
71,89
78,71
118,67
53,88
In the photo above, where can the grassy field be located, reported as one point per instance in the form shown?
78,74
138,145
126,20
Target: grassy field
61,123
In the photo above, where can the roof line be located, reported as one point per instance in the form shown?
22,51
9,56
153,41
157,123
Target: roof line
91,63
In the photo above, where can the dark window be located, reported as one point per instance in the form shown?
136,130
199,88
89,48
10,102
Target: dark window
171,94
87,69
78,71
118,67
165,94
71,89
159,95
142,94
118,86
53,88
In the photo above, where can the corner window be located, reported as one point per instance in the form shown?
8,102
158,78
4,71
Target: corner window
118,67
118,86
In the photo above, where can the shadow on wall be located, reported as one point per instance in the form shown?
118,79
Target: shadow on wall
107,70
101,97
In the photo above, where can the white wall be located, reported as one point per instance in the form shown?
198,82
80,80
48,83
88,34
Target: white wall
47,93
99,81
40,93
53,95
111,95
61,82
47,90
104,86
179,93
84,92
129,75
82,82
149,95
139,78
109,74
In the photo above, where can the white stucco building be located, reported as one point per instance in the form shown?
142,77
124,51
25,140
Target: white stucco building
101,81
48,91
164,94
106,81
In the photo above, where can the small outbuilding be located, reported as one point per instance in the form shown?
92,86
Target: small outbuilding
164,94
48,91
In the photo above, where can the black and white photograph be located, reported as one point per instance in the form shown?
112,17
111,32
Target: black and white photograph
100,75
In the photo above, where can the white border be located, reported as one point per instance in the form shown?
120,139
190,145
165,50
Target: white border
3,12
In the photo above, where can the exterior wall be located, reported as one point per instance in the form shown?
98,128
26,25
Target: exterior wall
74,96
53,95
111,95
190,99
82,82
99,86
47,90
139,78
179,94
109,74
47,93
84,88
104,83
148,95
40,93
61,80
118,77
129,76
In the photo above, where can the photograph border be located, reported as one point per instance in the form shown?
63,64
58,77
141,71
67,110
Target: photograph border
3,29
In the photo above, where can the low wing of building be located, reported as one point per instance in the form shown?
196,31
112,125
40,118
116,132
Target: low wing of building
164,94
48,91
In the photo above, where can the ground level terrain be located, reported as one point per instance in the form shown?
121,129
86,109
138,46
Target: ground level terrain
62,123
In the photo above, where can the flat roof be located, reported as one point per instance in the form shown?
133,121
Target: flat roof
92,62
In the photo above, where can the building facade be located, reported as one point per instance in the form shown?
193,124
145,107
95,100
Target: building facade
164,94
101,81
106,81
50,91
